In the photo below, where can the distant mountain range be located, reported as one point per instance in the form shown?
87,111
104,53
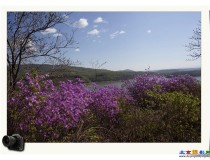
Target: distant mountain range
60,72
180,69
126,70
166,70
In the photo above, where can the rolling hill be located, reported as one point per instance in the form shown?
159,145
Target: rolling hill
60,72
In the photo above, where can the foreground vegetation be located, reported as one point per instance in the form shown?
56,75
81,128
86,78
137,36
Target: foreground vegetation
149,108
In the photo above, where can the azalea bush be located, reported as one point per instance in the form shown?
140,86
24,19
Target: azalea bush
39,111
183,83
106,101
140,85
149,108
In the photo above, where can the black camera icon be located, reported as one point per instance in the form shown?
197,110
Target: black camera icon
14,142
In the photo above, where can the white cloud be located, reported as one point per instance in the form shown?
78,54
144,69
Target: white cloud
122,32
81,23
95,26
49,31
113,35
117,33
94,32
77,49
31,47
149,31
99,20
52,31
57,35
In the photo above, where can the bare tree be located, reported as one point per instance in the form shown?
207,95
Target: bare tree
194,47
147,69
31,35
96,65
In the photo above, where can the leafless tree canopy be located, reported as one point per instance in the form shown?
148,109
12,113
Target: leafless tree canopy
194,47
29,37
96,65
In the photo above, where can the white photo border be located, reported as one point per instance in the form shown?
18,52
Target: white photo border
110,148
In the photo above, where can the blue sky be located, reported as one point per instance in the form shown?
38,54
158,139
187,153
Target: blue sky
133,40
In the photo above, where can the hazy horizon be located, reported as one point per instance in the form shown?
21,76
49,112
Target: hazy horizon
182,68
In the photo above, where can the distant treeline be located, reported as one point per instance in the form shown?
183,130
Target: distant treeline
61,72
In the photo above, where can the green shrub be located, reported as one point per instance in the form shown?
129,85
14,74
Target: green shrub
181,114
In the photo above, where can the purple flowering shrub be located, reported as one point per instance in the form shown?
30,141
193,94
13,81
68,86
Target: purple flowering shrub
184,83
44,112
138,87
105,101
139,111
